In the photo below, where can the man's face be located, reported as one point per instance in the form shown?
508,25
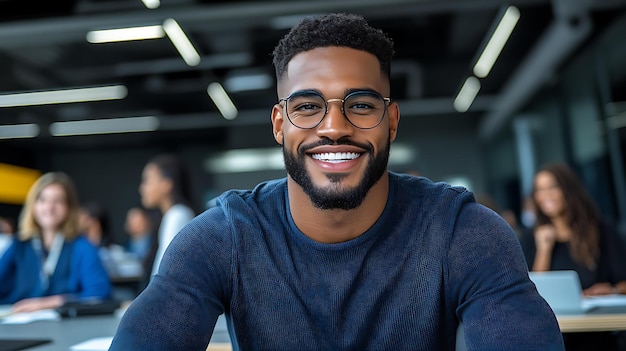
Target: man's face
335,163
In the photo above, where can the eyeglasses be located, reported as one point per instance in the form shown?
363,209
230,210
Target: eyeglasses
364,109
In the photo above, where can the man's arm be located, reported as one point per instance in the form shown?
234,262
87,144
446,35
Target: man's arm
497,303
179,308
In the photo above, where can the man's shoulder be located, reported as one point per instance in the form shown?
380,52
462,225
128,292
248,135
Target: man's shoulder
425,189
265,191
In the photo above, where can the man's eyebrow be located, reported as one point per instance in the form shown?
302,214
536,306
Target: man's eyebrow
365,89
346,92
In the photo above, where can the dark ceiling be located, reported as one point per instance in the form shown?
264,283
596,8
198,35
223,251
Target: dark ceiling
43,46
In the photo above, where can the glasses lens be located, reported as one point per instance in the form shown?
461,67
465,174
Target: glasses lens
306,109
364,109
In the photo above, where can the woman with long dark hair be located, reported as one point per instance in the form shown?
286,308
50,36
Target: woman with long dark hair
571,234
165,186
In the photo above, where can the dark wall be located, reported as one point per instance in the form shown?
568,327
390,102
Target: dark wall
112,178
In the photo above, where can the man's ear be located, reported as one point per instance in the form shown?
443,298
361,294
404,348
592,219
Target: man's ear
394,120
277,123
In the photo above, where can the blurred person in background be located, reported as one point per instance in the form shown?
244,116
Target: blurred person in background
570,234
165,186
6,225
95,226
142,241
50,263
138,226
6,233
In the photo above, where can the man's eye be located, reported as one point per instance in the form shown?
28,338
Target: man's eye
361,105
308,106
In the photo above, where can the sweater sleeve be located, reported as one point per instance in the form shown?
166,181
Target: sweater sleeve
180,306
497,304
173,221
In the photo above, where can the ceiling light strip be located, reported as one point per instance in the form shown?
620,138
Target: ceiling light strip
181,42
125,34
497,41
63,96
105,126
19,131
271,159
248,82
467,94
222,101
151,4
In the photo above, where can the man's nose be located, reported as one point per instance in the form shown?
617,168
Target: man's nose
335,124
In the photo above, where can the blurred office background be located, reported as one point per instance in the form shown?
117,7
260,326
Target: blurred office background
195,78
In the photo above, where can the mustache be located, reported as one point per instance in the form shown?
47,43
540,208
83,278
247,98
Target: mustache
342,141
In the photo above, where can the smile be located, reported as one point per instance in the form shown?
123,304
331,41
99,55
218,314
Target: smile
336,157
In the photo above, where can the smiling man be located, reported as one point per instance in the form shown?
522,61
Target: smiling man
341,254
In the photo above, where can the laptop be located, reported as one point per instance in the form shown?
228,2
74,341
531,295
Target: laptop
563,292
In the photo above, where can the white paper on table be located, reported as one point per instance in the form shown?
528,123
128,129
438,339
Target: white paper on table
614,300
95,344
5,310
27,317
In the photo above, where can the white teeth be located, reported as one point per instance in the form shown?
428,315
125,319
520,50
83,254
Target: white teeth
336,156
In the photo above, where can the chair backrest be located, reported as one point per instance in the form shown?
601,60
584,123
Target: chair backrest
460,339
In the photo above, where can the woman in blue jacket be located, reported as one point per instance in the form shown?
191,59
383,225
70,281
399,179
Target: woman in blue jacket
49,263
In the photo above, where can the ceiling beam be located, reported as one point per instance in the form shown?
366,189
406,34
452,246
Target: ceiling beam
566,33
60,30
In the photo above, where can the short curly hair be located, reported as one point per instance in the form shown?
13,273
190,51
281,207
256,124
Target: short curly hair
337,29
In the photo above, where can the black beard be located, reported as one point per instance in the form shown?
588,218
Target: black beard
337,197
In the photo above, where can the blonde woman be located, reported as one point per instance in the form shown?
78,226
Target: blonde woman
49,263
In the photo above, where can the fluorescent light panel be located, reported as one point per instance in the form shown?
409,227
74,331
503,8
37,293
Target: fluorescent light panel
246,160
17,131
495,44
63,96
248,82
181,42
151,4
616,122
125,34
105,126
271,159
467,94
221,99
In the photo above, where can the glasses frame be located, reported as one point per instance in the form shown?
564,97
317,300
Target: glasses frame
386,100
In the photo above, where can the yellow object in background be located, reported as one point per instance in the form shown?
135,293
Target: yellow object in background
15,181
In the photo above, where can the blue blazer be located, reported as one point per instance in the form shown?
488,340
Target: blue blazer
79,273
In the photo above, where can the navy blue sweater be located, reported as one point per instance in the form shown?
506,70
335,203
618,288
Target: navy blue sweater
434,258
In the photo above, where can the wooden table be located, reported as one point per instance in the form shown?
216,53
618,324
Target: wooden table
592,322
219,346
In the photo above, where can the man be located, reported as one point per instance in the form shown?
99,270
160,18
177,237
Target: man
342,254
